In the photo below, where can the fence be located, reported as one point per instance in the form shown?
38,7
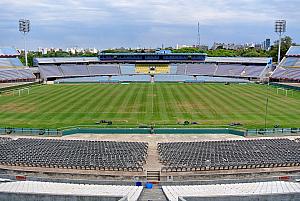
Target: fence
285,86
152,131
30,131
55,132
273,131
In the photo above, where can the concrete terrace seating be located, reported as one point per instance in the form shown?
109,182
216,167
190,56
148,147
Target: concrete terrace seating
227,155
291,62
234,191
96,79
75,70
253,71
128,69
26,73
16,75
68,190
172,78
234,70
286,73
104,69
74,154
132,78
10,62
201,69
50,71
173,69
72,70
181,69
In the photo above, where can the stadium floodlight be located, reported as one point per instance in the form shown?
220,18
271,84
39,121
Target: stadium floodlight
24,27
280,28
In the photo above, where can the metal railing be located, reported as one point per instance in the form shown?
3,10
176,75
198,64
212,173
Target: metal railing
273,131
30,131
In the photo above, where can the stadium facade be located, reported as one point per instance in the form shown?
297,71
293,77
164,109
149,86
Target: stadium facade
151,67
227,166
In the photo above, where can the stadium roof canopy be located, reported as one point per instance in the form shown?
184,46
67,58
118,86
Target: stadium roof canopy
239,60
293,51
8,52
10,62
62,60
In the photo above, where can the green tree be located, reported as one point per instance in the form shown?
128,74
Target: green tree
286,43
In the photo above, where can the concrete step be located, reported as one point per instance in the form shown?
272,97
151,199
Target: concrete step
154,194
153,175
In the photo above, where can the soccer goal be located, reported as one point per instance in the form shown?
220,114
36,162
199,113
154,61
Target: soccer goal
285,91
21,91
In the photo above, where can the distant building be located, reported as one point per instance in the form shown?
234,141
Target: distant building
226,46
202,47
266,45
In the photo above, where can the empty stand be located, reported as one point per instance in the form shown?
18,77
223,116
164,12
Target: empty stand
291,62
133,78
201,69
204,69
173,69
16,75
230,70
104,69
10,62
74,70
50,71
127,69
289,68
73,154
181,69
225,155
253,71
172,78
286,73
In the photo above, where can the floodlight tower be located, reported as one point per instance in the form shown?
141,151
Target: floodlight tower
199,42
24,28
280,28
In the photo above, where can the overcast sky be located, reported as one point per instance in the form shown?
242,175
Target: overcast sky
144,23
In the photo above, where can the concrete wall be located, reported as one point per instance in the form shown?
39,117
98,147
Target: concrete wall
44,197
273,197
195,177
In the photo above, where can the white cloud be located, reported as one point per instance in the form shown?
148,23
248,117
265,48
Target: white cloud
150,11
154,21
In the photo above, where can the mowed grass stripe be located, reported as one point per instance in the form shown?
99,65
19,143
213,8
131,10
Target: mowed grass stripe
53,106
189,102
225,101
236,103
70,113
184,111
36,114
127,108
259,97
142,100
161,103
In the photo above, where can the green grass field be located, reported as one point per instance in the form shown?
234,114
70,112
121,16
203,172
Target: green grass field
58,106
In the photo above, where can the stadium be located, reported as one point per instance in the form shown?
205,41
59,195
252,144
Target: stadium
150,126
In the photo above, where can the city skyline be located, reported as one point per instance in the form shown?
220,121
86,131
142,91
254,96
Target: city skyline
107,24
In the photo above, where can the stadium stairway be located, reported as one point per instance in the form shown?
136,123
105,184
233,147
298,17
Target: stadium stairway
153,176
153,166
154,194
